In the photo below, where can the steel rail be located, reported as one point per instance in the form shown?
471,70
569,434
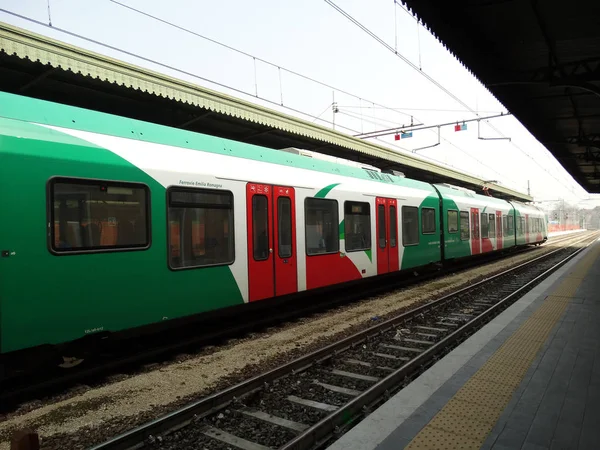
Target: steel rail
329,426
316,433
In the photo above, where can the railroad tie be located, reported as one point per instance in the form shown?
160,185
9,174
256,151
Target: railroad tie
338,389
393,357
428,335
439,330
270,418
446,324
404,349
356,376
232,439
417,341
312,403
367,364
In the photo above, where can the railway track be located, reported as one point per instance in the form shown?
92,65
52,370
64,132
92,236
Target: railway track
308,402
131,357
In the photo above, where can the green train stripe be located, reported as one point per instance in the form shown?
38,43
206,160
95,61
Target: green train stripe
326,190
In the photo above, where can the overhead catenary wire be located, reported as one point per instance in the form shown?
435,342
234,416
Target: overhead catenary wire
398,54
241,52
411,15
167,66
354,116
372,122
255,58
428,77
420,109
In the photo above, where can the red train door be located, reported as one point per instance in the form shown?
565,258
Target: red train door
272,268
392,209
383,254
386,216
475,240
284,219
498,230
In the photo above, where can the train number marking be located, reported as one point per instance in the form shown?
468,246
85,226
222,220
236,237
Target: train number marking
93,330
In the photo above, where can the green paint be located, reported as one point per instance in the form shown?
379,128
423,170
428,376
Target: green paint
454,247
519,236
53,299
323,192
369,254
428,250
342,230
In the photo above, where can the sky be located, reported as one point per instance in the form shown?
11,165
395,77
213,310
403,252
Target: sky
318,56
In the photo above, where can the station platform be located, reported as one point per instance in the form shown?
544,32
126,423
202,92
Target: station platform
529,379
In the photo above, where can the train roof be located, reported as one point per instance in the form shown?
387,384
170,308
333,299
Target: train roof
527,207
25,109
455,191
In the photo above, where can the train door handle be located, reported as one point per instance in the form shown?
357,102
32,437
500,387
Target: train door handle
270,250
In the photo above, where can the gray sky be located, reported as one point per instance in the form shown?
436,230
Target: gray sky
313,39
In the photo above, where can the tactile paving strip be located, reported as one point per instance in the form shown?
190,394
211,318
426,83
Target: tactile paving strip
466,420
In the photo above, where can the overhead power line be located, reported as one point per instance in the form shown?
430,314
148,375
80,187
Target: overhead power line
241,52
432,80
420,109
396,130
166,66
398,54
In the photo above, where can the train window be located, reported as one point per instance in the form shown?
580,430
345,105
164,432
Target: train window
321,220
93,215
200,228
523,225
475,225
428,221
464,225
519,226
381,230
492,226
511,226
452,221
260,227
357,226
505,225
499,229
393,226
410,225
284,221
484,226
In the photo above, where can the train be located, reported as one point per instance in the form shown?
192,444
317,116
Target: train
111,225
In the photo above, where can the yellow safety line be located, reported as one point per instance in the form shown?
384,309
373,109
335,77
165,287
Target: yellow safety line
467,419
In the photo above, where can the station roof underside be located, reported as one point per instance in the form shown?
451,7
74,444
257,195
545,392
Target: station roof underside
541,59
40,67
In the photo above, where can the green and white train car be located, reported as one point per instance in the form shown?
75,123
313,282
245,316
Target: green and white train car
110,224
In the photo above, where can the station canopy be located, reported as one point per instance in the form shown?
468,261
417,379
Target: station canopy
541,59
40,67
